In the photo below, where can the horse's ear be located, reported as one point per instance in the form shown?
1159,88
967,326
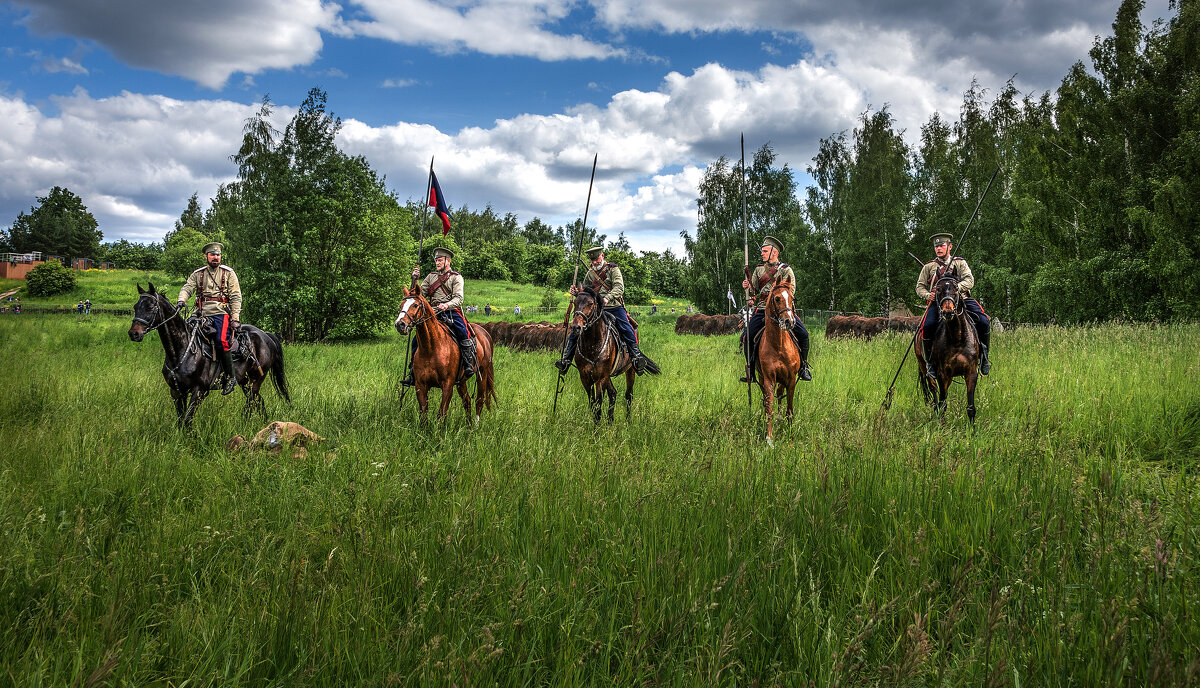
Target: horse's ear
151,290
140,290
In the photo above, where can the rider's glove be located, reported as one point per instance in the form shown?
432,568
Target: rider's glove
179,305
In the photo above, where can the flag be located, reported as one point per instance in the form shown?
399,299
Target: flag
729,293
436,200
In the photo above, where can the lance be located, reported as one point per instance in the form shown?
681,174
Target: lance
746,270
425,210
560,382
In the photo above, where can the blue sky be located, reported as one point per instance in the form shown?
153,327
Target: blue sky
136,104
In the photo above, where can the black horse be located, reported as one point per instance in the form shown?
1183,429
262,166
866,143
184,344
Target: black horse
955,349
191,370
599,356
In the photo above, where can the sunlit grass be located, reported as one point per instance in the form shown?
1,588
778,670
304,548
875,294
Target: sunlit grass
1051,546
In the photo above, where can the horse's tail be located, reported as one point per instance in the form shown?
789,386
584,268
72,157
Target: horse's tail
277,375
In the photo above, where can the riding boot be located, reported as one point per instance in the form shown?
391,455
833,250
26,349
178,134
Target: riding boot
409,380
745,379
467,350
564,364
985,366
228,379
805,373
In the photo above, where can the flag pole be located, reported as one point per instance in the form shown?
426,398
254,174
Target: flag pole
425,209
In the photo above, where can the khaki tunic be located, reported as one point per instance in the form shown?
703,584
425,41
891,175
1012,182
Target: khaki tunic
925,282
206,284
450,293
760,287
614,296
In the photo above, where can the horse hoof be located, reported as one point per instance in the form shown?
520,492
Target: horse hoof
770,442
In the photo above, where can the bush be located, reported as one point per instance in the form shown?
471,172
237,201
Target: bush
50,278
551,298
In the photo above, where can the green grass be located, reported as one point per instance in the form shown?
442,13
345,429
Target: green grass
1055,545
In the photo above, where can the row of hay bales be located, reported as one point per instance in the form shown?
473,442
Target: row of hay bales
522,336
708,325
866,328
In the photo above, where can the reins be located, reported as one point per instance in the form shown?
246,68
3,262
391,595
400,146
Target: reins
157,311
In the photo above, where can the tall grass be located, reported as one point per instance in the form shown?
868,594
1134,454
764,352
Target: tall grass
1052,546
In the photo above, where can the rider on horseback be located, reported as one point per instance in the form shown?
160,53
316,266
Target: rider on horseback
947,264
218,298
759,285
605,278
444,289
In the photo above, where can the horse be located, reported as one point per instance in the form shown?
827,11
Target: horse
955,349
779,360
436,361
598,356
190,373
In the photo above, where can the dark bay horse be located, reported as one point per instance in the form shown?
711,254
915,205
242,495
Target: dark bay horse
598,356
189,372
778,356
436,361
955,350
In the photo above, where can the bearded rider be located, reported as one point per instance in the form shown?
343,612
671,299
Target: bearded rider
759,285
947,263
218,298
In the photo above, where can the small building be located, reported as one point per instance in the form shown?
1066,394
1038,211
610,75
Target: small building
83,264
18,265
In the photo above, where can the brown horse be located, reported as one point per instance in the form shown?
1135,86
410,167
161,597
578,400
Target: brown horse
190,371
436,361
778,356
955,349
597,355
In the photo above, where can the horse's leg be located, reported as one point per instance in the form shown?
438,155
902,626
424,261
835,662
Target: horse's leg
943,387
791,392
197,395
768,392
447,395
423,401
611,390
595,399
465,397
630,376
972,380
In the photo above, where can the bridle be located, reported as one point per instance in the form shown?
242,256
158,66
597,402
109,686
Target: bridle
416,321
156,312
956,299
589,320
779,318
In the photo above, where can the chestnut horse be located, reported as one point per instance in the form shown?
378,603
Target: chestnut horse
597,355
955,349
189,372
436,361
778,356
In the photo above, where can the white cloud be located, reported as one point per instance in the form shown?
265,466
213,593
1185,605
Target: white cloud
398,83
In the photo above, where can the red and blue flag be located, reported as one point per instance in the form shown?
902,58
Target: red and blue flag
438,202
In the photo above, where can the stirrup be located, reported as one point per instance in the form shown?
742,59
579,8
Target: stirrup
563,365
228,385
805,373
408,381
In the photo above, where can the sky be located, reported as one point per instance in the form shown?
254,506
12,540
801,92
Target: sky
134,105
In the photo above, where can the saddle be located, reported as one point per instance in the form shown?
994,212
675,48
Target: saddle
239,346
758,338
447,319
623,361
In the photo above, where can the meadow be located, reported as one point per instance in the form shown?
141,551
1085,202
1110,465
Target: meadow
1053,545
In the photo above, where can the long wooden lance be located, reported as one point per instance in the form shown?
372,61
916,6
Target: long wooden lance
560,382
746,269
425,209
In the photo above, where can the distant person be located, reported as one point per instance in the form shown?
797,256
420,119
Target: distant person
219,298
653,309
516,310
87,306
487,309
947,263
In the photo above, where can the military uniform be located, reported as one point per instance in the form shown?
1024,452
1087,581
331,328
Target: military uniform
606,280
446,288
927,280
218,298
760,288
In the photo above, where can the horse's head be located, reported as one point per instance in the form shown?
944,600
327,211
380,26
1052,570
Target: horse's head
411,310
780,305
588,308
948,298
150,312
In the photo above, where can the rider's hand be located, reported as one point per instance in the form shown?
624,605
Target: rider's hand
234,325
179,305
929,298
416,273
441,307
745,284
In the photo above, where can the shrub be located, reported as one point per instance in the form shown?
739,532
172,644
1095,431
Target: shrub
50,278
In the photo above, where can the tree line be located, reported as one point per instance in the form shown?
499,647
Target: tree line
1093,215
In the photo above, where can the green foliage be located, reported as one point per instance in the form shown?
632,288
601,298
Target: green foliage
546,265
59,225
551,298
127,255
183,252
50,278
321,248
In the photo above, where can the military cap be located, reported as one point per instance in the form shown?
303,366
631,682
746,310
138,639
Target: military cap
442,252
942,236
769,240
594,251
213,247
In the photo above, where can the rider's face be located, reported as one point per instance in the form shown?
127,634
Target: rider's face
441,263
768,253
942,249
214,259
598,260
